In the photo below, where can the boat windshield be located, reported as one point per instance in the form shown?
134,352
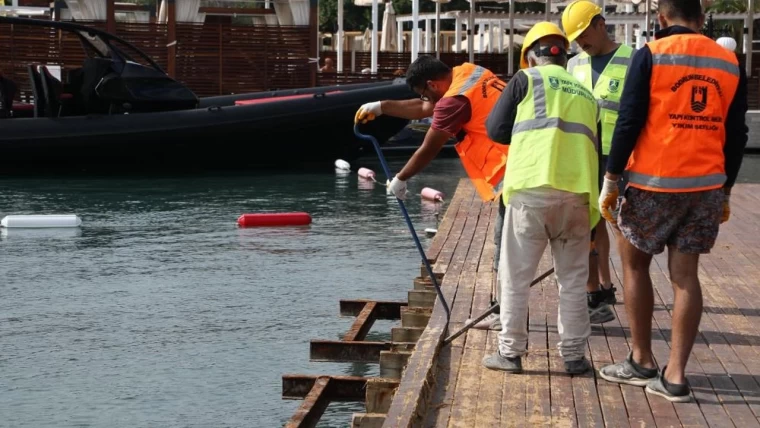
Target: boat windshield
95,45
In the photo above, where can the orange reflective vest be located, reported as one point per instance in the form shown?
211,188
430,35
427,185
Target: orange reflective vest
680,149
483,159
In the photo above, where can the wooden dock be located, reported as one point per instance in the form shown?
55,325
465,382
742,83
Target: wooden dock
447,386
424,383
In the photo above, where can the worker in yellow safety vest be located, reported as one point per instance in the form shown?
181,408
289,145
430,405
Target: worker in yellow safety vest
550,121
602,68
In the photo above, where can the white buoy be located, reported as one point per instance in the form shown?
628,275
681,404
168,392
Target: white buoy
38,221
430,231
342,165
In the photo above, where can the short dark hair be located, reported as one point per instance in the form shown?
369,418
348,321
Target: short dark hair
686,10
596,19
425,68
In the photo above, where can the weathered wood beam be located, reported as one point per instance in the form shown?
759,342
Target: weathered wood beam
384,310
362,324
347,351
313,406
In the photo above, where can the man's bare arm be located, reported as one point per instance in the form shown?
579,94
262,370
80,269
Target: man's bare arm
431,145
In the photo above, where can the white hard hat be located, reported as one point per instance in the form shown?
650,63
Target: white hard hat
727,42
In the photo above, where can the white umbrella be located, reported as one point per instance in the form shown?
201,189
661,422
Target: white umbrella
367,40
388,38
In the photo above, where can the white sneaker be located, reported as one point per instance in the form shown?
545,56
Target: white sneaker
491,322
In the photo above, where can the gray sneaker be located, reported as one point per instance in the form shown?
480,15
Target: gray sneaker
491,322
577,366
676,393
496,361
628,372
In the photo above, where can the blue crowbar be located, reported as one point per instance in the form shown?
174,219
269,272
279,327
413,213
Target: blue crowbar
408,221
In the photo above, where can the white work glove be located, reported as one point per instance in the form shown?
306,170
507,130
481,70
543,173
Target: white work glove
397,188
608,197
368,112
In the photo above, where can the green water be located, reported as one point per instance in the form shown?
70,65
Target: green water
160,312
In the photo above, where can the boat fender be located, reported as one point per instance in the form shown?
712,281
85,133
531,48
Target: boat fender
366,173
274,219
41,220
432,194
342,165
430,232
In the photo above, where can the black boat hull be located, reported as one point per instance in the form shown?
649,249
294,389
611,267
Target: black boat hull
216,136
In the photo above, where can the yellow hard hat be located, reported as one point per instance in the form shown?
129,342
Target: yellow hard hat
577,17
539,31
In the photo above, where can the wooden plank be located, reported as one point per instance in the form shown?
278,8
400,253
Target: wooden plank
634,398
445,401
488,410
560,383
444,229
537,393
411,402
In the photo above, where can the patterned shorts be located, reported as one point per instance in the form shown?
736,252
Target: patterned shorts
688,221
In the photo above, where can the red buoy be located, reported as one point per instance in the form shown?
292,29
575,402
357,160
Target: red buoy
274,219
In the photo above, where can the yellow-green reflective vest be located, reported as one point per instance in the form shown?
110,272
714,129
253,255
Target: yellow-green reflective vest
608,88
554,141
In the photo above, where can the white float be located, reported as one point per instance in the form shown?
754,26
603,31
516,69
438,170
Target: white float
342,165
41,220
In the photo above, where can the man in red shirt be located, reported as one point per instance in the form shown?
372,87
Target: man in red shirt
459,99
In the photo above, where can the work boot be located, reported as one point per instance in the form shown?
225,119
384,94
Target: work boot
496,361
577,366
608,294
598,311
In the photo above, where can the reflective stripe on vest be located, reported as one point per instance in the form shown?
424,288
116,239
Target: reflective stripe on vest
540,120
483,159
472,80
680,148
553,139
608,88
